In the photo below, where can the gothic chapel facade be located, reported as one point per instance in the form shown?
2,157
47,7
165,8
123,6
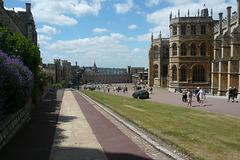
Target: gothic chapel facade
202,52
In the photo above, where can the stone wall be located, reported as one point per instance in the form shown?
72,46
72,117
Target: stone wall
9,125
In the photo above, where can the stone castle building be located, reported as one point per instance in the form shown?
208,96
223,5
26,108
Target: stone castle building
62,70
158,59
202,53
21,21
225,66
93,76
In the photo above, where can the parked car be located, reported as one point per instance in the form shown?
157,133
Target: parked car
92,88
140,94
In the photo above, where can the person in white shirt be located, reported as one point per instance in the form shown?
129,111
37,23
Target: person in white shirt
201,94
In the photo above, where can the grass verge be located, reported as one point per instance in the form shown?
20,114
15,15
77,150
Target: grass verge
200,134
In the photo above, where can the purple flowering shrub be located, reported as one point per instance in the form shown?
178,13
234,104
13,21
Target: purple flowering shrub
16,83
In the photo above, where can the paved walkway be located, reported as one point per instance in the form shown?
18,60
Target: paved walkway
215,104
66,127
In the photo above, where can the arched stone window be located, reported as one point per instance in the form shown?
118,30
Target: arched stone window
183,50
203,50
193,50
155,71
174,49
174,73
199,74
183,74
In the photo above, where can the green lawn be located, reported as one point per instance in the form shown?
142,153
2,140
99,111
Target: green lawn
200,134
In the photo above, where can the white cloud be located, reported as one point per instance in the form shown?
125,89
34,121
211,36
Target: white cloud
97,45
100,30
58,11
122,8
107,51
133,26
16,9
43,38
139,50
144,37
48,30
151,3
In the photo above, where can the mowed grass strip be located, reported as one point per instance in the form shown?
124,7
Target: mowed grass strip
201,134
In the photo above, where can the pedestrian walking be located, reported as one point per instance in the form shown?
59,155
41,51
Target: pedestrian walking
196,94
189,98
230,94
184,95
202,96
151,89
234,94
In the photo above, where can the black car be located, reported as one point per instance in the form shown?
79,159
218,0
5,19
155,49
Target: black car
140,94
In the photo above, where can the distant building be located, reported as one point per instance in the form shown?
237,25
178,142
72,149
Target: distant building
21,21
138,74
93,76
62,70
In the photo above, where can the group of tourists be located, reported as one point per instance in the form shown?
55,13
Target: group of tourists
145,87
187,96
232,94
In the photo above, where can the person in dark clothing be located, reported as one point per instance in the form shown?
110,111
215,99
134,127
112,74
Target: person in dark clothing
196,94
234,94
230,94
184,95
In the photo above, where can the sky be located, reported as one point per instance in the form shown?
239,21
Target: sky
112,33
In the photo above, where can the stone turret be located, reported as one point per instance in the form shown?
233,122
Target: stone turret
94,69
1,3
28,7
204,11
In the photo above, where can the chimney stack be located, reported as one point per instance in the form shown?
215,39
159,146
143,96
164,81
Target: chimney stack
28,7
238,12
229,17
220,23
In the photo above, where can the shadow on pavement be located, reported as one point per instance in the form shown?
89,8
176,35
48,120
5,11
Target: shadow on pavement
35,139
70,153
